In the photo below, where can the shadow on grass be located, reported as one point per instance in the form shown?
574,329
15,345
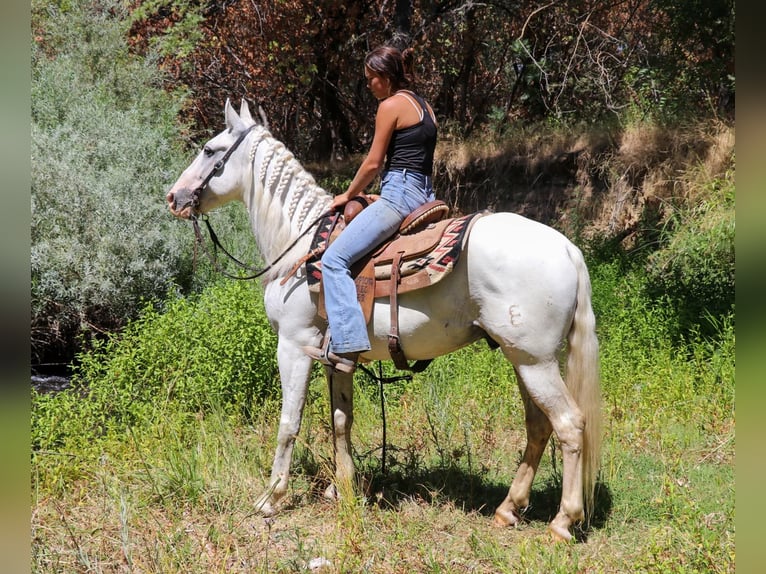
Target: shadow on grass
471,492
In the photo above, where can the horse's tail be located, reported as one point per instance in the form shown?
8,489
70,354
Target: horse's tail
582,378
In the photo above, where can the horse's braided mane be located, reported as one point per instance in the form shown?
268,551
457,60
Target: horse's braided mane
284,200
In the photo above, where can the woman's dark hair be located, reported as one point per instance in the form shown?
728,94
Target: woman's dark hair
393,64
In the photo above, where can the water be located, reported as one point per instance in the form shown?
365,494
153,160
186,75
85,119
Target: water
49,383
50,377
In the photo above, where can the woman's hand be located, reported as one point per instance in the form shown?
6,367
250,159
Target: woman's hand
339,201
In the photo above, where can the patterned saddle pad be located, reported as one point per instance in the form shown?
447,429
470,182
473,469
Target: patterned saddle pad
428,254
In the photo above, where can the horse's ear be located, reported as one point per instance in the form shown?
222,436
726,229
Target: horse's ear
244,113
233,121
264,119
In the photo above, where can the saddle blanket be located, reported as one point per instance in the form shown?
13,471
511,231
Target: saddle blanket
436,262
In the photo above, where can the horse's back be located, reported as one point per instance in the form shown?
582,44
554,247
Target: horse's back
516,228
518,245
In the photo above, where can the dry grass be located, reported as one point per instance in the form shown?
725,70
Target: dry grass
612,180
665,499
108,525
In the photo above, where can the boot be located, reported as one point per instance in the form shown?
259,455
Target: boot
343,362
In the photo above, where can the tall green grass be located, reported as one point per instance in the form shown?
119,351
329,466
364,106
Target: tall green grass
155,457
202,353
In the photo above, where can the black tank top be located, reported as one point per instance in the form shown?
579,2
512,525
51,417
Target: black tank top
413,147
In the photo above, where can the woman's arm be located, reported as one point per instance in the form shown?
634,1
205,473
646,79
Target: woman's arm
385,123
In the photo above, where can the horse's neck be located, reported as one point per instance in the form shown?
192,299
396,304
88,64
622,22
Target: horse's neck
282,202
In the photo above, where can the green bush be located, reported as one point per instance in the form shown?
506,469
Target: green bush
647,369
214,351
695,269
104,149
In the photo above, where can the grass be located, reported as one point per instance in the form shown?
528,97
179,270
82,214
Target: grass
179,497
190,510
130,477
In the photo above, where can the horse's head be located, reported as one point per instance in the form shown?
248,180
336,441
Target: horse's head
215,177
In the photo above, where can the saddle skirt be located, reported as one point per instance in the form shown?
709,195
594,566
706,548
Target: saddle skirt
422,253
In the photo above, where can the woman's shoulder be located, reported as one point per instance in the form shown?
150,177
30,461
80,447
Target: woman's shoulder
405,108
414,100
408,93
395,103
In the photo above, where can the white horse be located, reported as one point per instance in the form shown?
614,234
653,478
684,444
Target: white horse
518,282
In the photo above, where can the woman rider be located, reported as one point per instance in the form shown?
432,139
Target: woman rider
403,148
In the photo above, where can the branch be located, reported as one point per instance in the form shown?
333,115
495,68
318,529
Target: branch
540,9
571,60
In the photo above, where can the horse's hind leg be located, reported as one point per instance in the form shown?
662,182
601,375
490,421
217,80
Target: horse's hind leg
546,388
538,432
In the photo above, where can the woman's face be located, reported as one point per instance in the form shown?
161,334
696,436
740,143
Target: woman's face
378,85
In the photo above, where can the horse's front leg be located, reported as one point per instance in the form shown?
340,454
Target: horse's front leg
342,415
294,369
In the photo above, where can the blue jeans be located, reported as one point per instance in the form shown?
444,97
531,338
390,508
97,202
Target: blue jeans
401,192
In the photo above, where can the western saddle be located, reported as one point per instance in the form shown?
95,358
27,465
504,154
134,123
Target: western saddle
424,249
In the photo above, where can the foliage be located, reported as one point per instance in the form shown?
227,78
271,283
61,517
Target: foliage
104,147
695,268
508,66
180,39
213,351
478,63
641,351
174,491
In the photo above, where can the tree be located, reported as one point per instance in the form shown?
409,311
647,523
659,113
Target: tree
575,61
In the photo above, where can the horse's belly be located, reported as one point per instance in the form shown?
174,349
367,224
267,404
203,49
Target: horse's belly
430,322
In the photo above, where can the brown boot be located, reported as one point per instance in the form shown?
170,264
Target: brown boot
343,362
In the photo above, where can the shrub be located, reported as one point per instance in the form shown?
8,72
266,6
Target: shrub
647,368
213,351
695,269
104,149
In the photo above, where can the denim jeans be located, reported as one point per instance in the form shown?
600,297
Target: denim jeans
401,192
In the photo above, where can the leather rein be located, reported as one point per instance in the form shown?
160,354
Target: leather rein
195,195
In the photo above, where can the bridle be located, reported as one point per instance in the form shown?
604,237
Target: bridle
194,203
216,168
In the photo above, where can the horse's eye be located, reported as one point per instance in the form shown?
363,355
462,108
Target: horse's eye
207,151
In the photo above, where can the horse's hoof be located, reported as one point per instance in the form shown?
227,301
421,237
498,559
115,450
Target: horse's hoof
331,493
559,533
265,508
505,518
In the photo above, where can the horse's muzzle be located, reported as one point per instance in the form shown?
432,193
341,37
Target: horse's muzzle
182,203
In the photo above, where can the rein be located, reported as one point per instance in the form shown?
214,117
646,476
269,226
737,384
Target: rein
381,380
217,244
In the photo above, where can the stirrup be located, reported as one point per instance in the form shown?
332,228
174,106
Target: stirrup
330,359
327,357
